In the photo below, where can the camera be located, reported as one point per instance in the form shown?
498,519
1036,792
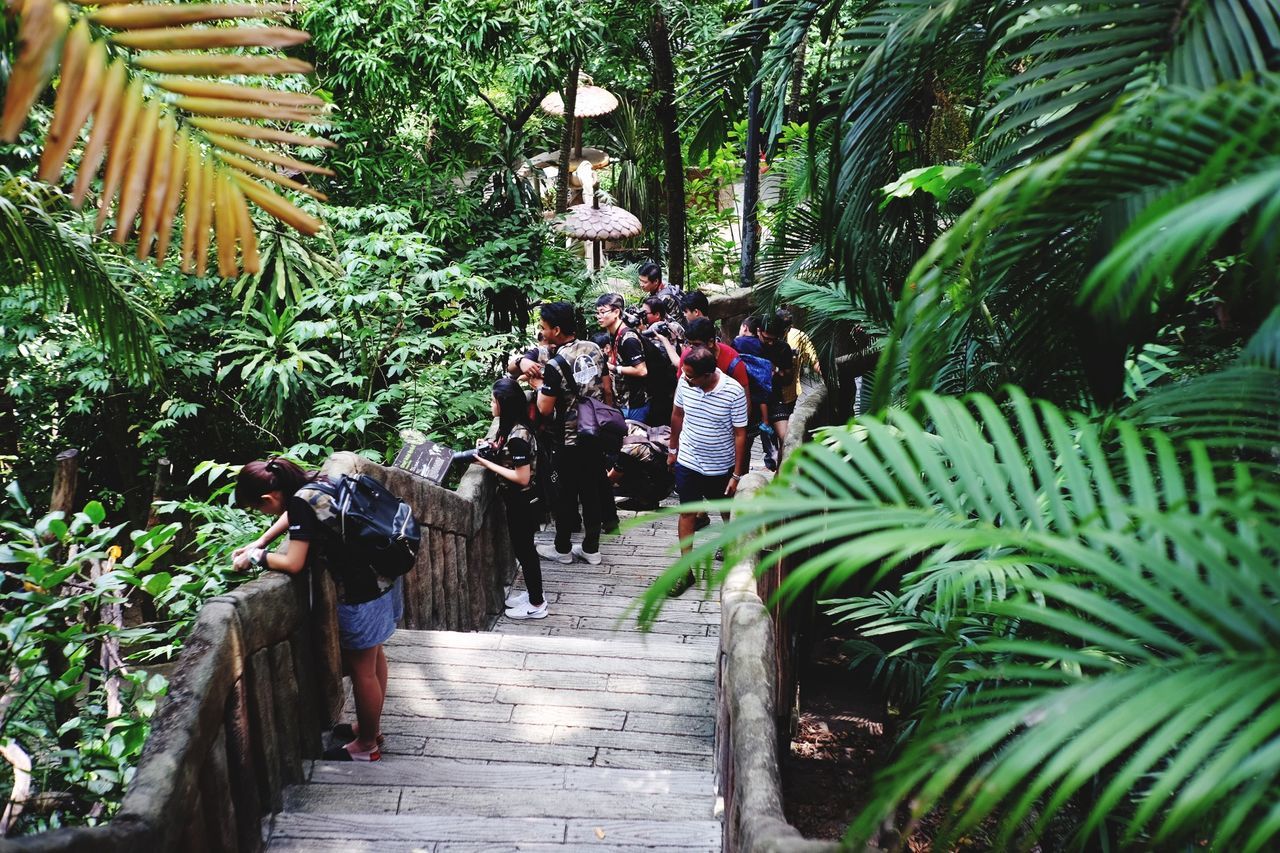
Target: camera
632,318
484,451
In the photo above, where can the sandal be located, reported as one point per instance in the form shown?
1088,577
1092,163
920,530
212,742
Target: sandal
341,753
346,733
681,585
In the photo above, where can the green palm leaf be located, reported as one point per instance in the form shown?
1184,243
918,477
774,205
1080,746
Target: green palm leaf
38,252
1184,160
1235,412
1068,597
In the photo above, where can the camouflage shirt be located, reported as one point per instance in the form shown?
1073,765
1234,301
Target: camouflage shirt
520,449
587,370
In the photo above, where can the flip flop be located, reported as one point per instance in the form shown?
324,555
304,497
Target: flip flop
346,733
341,753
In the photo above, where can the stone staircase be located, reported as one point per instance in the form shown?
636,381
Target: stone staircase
572,733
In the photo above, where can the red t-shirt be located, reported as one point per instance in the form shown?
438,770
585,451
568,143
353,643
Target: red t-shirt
725,355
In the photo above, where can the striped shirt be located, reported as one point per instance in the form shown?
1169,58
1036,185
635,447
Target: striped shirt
706,436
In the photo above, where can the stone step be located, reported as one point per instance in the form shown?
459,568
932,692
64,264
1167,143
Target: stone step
460,831
418,773
474,648
492,803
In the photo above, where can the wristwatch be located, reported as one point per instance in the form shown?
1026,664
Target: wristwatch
259,558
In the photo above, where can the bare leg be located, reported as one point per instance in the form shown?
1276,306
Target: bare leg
685,528
369,692
780,427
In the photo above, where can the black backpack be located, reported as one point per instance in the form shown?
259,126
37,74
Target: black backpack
661,378
377,530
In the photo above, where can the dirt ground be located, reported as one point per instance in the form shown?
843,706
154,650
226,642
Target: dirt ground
845,735
839,744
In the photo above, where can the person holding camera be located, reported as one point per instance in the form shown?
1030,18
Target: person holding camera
626,359
577,370
512,456
367,612
650,279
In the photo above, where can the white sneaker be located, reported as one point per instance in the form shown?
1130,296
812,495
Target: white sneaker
517,597
528,611
549,552
592,557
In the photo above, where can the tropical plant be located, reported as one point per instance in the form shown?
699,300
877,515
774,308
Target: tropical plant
1037,95
278,359
64,651
47,259
158,151
1080,613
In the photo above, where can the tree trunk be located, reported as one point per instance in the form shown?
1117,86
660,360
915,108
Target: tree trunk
566,141
66,478
797,83
664,75
750,184
10,432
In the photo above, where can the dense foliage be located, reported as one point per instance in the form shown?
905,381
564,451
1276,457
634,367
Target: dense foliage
1056,526
398,315
1052,224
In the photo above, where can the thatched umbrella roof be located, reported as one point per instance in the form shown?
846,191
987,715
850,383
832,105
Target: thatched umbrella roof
605,222
592,101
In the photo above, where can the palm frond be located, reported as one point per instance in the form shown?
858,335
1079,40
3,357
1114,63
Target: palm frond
1109,582
189,152
1165,153
1078,66
1234,411
1150,687
40,253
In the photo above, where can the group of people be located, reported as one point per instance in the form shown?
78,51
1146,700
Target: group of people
662,364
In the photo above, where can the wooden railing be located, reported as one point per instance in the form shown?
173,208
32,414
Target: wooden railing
755,687
259,679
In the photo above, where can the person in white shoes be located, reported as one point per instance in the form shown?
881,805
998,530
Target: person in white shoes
513,461
577,370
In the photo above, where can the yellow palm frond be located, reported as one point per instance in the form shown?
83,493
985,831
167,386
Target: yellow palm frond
165,141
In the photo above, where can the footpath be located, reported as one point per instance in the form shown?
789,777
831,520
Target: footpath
575,732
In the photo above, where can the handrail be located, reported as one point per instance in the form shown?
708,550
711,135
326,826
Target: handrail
259,679
753,670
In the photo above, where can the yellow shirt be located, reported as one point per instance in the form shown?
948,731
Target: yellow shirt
806,355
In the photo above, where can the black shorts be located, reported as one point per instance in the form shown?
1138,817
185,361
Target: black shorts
693,486
781,411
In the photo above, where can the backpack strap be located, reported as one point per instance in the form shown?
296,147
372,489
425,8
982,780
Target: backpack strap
571,384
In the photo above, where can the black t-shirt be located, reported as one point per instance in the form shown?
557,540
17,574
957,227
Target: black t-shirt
629,392
354,587
784,371
303,524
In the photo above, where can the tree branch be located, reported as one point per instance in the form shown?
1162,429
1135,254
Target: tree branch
505,119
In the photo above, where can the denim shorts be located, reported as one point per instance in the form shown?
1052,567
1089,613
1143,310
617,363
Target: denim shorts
370,623
692,486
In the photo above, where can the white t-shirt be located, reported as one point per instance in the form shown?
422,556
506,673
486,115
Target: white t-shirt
706,437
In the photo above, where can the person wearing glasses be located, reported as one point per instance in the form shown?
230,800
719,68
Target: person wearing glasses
626,360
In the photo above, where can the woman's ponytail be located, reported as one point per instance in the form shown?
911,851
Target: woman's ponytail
272,475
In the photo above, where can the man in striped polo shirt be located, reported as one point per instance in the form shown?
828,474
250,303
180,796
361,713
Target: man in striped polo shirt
708,439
